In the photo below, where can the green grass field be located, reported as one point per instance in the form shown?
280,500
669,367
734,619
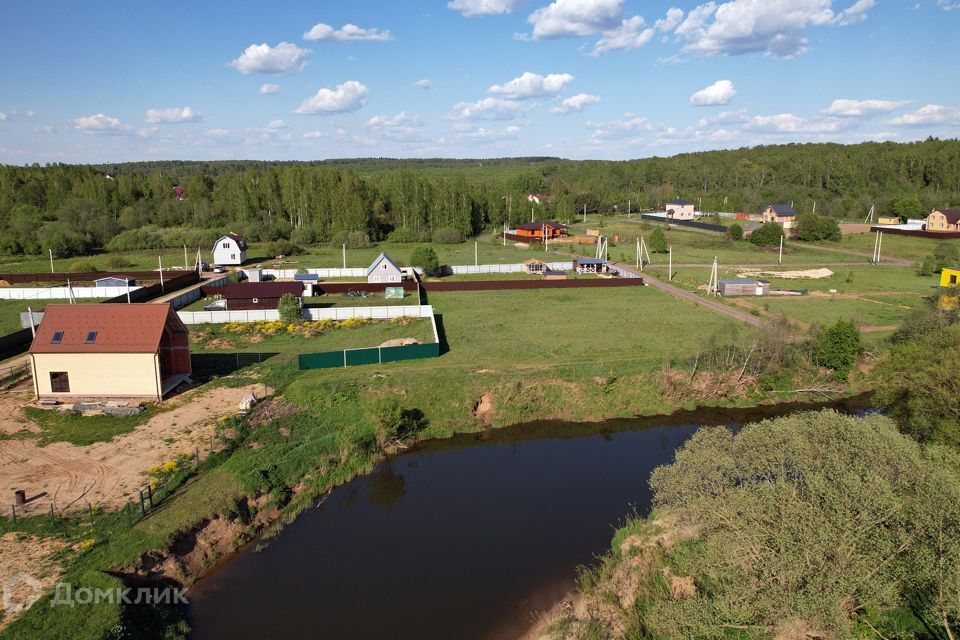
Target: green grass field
897,246
822,311
10,311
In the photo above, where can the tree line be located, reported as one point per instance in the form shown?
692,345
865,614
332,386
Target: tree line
75,209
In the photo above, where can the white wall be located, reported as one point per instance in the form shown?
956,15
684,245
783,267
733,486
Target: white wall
57,293
332,313
503,268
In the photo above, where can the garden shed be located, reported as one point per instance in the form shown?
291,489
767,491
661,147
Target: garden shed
743,287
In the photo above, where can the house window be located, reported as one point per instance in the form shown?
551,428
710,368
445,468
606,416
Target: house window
57,337
91,337
226,245
384,266
233,256
59,382
953,279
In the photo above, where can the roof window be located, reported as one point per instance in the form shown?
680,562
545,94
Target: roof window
57,337
91,337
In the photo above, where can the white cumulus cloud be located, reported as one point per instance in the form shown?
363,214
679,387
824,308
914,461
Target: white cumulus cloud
487,109
774,27
852,108
173,115
672,20
269,89
423,84
472,8
482,134
567,18
347,33
719,93
102,123
575,103
262,58
3,116
790,123
532,85
349,96
624,38
930,114
400,128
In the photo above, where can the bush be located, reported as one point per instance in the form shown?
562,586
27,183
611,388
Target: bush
405,235
289,308
303,236
117,262
392,422
812,227
283,248
736,232
928,267
82,266
767,235
658,242
447,235
353,240
426,259
946,255
837,347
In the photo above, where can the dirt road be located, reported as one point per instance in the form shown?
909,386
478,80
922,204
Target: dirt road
106,474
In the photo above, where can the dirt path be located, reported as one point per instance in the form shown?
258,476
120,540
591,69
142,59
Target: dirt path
108,474
26,570
696,299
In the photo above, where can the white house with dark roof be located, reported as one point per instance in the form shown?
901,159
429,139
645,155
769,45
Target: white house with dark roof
230,249
680,209
383,269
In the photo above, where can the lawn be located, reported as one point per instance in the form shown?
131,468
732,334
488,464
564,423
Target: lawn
894,245
878,311
60,426
10,311
245,337
373,299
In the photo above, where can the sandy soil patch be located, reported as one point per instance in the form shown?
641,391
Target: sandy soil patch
108,474
24,559
814,274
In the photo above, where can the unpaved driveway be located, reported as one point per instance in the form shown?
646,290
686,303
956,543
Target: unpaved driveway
107,474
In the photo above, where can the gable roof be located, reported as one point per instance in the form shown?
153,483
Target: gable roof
248,290
952,215
120,328
380,258
235,237
782,209
536,226
680,201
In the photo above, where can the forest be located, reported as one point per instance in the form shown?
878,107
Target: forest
79,209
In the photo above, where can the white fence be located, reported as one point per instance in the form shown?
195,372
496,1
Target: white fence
502,268
55,293
195,293
288,274
331,313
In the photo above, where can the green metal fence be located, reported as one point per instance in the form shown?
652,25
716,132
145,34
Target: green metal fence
368,355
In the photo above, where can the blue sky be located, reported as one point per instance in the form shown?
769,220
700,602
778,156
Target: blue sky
607,79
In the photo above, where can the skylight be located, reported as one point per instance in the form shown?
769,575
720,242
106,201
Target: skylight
57,337
91,337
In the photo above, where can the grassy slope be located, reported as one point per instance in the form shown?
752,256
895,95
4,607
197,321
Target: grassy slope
10,311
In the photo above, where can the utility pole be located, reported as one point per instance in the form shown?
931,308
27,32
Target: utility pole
185,267
476,254
128,288
51,261
713,287
160,261
670,266
344,256
33,329
584,213
780,259
814,206
628,208
638,252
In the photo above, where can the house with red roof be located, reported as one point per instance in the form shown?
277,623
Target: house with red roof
105,351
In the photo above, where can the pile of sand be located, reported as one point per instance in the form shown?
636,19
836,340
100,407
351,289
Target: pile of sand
814,274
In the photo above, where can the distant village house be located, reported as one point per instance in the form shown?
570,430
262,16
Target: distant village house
101,351
782,214
944,220
548,229
383,269
680,209
230,249
246,296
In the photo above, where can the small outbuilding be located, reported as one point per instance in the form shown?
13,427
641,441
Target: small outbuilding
949,281
100,351
782,214
549,229
534,266
115,281
383,269
889,219
589,265
550,274
680,209
230,249
245,296
743,287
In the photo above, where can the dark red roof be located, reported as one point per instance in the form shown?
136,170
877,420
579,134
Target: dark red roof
120,328
952,215
248,290
536,226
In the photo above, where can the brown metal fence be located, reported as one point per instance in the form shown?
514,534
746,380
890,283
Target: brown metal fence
916,233
495,285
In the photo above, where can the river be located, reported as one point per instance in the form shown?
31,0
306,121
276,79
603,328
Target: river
461,538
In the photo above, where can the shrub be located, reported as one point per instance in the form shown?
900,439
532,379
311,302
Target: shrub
447,235
767,235
353,240
811,227
82,266
303,236
403,235
283,248
392,422
947,255
426,259
736,232
117,262
837,347
289,308
658,242
928,267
